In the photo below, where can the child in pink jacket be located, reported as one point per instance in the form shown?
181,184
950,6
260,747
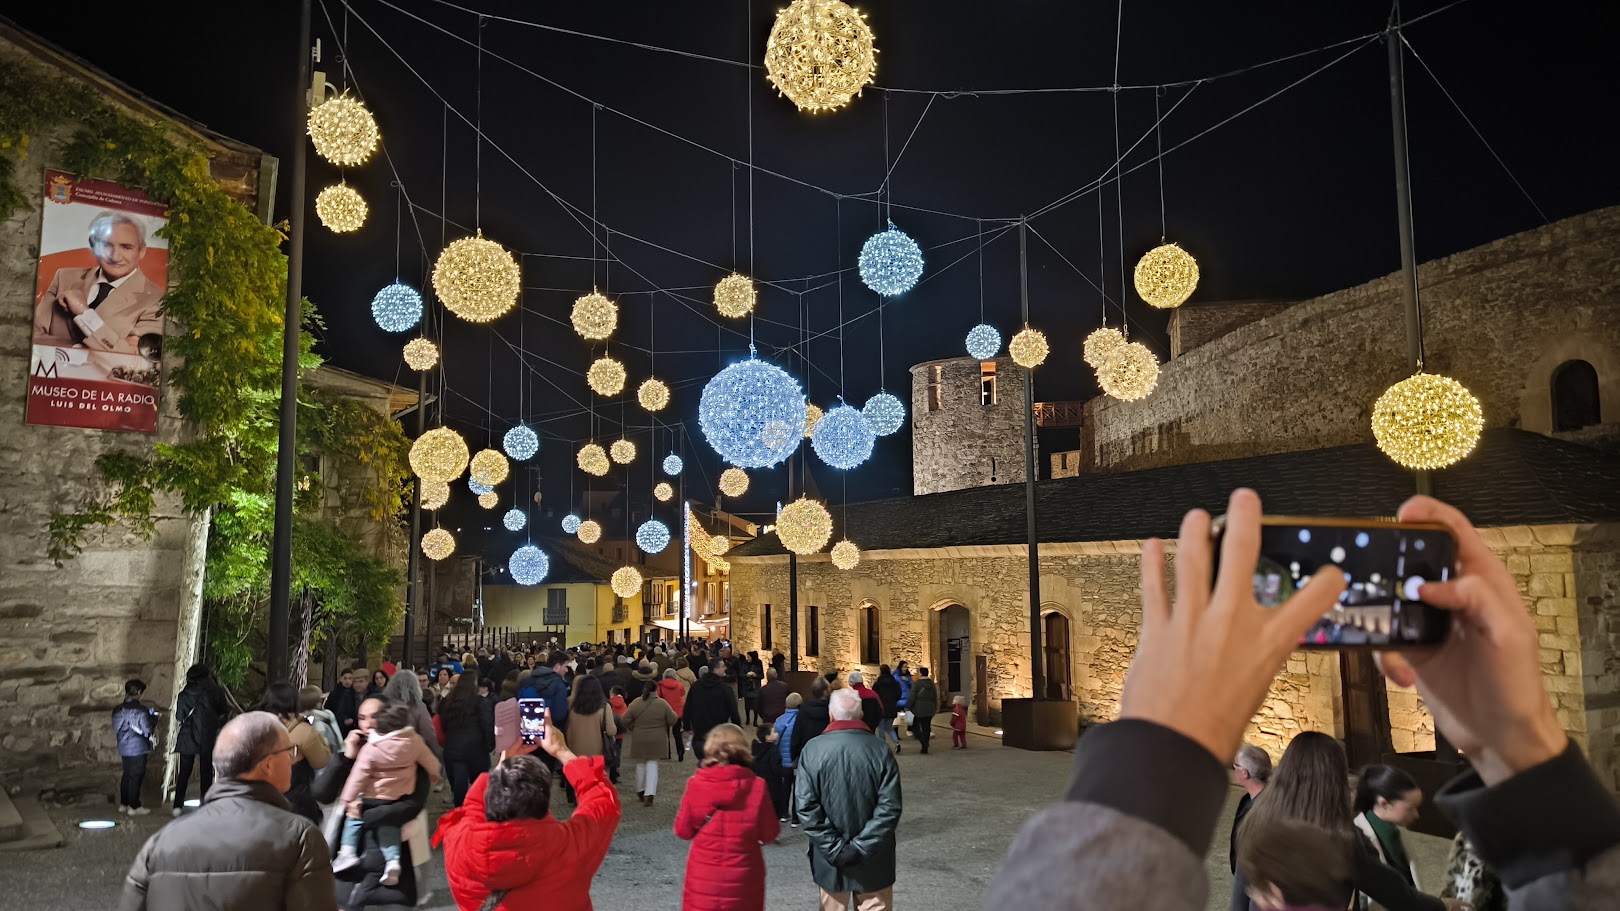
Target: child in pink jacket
384,770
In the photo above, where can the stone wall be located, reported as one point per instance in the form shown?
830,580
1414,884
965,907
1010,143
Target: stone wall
1192,325
1596,553
966,443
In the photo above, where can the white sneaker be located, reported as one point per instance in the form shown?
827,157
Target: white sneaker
390,873
346,858
123,810
177,813
139,811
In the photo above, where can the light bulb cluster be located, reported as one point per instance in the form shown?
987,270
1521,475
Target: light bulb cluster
439,454
653,394
983,341
434,494
438,544
595,317
489,467
663,492
489,500
341,209
1101,345
1028,348
1166,276
397,307
606,376
479,488
820,54
521,442
515,519
529,565
884,413
1130,373
812,416
1427,421
343,131
652,536
589,531
734,296
890,262
804,526
626,582
842,438
477,279
622,451
740,401
845,555
673,465
592,459
733,482
571,524
421,354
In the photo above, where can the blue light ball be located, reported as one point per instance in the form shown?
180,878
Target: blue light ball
884,414
478,487
521,442
891,262
571,523
515,519
842,438
397,308
529,565
983,342
673,464
653,536
737,405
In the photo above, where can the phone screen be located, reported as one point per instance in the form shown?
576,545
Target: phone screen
532,720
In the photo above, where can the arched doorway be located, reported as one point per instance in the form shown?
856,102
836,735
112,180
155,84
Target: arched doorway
1574,396
1057,662
955,655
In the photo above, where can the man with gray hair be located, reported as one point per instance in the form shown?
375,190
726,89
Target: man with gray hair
108,307
244,849
1251,769
848,795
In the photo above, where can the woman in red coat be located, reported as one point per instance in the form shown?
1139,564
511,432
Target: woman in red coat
726,814
673,691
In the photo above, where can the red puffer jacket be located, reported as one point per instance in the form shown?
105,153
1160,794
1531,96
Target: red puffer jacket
542,863
674,694
726,813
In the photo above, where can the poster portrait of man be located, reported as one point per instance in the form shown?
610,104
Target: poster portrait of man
110,305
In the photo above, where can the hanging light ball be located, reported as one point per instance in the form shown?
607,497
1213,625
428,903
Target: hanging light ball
606,376
663,492
626,582
1028,348
1130,374
804,526
776,434
489,467
622,451
733,482
718,545
983,341
439,454
1101,345
890,262
884,413
589,531
528,565
340,208
673,465
820,54
845,555
438,544
489,500
593,459
397,307
652,536
477,279
734,296
653,395
421,354
343,131
515,519
812,416
1427,421
843,439
521,442
740,401
434,494
570,524
479,488
595,317
1166,276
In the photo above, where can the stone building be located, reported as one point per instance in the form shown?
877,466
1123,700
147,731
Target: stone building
967,424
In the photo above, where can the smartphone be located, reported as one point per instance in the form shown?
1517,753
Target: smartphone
1384,563
531,720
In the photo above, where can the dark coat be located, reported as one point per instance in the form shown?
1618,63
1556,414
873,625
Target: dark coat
201,711
848,790
924,698
772,701
711,702
546,684
359,886
813,718
888,689
470,738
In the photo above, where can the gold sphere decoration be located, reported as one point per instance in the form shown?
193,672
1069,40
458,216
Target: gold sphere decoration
438,544
489,467
653,395
820,54
421,354
845,555
340,208
1166,276
1028,348
477,279
733,482
606,376
1427,421
435,494
590,531
663,492
343,131
804,526
812,414
489,500
1101,344
718,545
626,582
623,452
439,454
1130,374
734,296
592,459
595,317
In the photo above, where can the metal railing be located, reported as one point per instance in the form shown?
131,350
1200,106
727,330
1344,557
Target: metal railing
1058,414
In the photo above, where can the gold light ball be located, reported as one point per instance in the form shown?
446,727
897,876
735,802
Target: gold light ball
435,494
1130,374
622,451
626,582
663,492
592,459
718,545
812,414
421,354
477,279
845,555
734,296
590,531
438,544
439,454
1028,348
1101,344
340,208
1166,276
804,526
343,131
820,54
1427,421
595,317
733,482
489,467
489,500
653,395
606,376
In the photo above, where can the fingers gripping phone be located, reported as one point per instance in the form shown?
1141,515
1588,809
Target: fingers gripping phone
1384,563
531,720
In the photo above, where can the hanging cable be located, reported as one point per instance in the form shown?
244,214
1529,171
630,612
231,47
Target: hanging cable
1158,138
478,136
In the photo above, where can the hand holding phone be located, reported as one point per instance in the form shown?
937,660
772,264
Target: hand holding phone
531,720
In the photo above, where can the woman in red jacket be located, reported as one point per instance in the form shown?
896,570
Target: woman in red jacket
673,691
726,814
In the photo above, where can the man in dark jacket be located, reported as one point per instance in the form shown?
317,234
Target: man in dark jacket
549,683
812,719
848,792
772,698
244,849
200,710
924,705
887,689
711,703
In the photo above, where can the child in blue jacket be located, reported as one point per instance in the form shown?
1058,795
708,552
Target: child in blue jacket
132,725
782,736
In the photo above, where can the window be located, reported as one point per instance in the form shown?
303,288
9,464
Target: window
764,627
812,628
987,382
709,592
621,611
935,377
556,607
1574,396
870,647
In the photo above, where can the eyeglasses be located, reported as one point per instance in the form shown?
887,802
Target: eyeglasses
291,751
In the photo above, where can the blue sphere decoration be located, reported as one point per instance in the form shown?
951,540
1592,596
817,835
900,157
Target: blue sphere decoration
983,342
478,487
884,414
890,262
521,442
653,536
740,401
673,464
397,308
842,438
515,519
529,565
571,523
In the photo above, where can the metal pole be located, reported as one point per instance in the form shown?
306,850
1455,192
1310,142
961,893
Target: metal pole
1410,304
287,440
793,590
1037,690
413,591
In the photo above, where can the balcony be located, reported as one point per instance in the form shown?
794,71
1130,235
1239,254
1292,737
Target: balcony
1058,414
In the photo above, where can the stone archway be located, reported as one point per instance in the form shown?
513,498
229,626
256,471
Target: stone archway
1058,659
951,644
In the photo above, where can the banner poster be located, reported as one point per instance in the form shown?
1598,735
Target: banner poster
98,326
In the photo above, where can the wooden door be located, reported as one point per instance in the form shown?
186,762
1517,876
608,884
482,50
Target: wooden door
1366,708
981,689
1058,681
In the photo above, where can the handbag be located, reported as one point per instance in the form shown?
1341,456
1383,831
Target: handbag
493,901
910,718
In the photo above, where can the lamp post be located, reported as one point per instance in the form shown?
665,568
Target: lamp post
1037,690
1403,211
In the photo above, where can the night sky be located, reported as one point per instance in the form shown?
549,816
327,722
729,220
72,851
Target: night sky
1291,199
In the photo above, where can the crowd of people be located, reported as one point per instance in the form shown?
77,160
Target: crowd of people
321,800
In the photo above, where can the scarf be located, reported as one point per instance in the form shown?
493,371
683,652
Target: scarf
1389,839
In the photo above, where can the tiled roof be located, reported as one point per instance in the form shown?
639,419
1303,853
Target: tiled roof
1513,478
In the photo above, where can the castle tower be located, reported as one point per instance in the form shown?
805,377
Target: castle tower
967,424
